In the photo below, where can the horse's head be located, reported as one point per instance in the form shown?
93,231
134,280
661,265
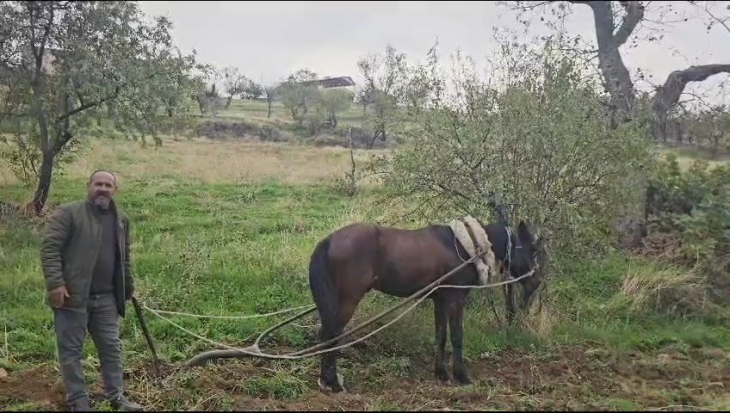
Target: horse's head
524,260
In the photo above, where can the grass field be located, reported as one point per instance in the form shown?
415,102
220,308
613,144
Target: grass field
247,109
227,228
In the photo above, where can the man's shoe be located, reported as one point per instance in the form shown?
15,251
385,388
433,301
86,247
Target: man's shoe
80,405
124,404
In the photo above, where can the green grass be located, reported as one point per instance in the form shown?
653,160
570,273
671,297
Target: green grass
247,109
243,248
233,249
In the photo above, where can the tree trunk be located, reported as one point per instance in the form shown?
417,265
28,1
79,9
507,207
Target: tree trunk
201,103
44,182
371,144
378,133
618,84
268,115
616,76
228,102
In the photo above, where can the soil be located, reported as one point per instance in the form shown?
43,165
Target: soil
571,379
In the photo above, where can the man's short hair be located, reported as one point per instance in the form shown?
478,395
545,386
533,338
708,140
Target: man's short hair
103,170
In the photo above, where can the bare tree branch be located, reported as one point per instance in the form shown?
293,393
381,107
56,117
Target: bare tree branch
715,18
668,94
697,98
634,15
520,5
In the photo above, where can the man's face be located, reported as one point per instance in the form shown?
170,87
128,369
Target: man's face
102,189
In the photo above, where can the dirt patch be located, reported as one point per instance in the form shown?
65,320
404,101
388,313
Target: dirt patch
38,385
568,379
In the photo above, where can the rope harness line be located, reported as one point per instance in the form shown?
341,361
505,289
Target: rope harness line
255,351
230,317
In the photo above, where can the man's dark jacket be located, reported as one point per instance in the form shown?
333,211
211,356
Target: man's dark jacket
69,249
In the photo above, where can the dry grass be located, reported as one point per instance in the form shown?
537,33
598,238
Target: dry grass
668,290
211,162
541,324
687,157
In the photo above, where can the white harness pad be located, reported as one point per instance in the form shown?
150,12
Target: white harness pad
486,264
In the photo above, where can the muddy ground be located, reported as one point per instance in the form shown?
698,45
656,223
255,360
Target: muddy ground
586,378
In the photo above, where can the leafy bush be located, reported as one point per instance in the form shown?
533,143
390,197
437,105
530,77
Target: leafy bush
541,146
693,205
689,219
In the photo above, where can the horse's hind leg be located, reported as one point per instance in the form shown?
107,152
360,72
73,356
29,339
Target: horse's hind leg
456,318
441,318
328,367
329,378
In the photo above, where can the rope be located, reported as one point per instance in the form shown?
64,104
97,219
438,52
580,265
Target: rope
254,351
232,317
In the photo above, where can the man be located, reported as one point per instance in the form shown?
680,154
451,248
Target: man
85,257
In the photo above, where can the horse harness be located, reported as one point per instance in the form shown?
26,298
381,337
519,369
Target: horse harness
508,254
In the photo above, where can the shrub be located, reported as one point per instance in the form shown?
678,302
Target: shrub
693,206
541,146
689,219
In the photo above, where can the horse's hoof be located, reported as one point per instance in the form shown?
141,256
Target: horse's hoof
335,388
461,378
442,375
463,382
324,387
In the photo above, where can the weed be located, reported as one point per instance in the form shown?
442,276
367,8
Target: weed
281,385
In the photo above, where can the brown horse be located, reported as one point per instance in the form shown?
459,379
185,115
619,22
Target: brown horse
360,257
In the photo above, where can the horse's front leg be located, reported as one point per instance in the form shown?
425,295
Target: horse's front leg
456,319
509,300
441,318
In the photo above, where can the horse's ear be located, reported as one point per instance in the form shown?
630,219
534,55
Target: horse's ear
523,233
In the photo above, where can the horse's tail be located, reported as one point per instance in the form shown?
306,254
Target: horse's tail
323,288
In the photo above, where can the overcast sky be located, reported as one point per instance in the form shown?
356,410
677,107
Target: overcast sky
269,40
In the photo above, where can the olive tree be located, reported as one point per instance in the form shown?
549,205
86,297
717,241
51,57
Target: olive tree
269,91
335,101
68,68
386,77
539,148
234,82
298,92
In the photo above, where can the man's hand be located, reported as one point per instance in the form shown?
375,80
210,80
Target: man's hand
57,296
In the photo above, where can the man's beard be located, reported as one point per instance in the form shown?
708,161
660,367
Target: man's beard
102,200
